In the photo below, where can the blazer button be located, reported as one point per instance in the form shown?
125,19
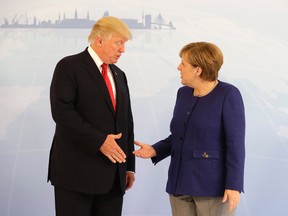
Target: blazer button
205,155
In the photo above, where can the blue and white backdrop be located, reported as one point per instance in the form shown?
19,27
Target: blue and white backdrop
35,35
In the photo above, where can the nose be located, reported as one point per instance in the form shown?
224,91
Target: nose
122,48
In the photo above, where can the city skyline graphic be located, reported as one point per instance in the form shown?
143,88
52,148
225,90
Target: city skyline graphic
146,22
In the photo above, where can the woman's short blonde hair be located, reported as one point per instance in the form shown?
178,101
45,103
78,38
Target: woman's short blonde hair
205,55
107,26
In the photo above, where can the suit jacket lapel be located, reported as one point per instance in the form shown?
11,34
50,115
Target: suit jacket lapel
118,86
97,77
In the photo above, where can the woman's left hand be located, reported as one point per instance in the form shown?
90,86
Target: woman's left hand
233,197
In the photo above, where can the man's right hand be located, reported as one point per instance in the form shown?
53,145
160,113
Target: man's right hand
112,150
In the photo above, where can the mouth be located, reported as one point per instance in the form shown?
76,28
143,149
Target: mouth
116,58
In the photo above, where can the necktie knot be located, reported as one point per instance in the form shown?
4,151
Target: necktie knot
104,69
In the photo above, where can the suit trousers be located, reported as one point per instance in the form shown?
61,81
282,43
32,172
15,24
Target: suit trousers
71,203
184,205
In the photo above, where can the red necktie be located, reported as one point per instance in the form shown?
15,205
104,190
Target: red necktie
108,84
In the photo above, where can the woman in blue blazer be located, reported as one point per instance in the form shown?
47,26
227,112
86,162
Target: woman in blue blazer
207,140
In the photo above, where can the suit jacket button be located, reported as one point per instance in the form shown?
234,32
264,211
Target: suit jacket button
205,155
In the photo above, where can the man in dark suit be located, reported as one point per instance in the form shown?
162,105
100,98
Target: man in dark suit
91,161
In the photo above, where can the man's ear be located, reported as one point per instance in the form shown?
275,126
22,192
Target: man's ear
98,41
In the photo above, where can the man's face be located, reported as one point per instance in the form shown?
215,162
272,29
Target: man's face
112,48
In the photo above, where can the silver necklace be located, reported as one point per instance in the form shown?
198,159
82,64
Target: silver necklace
201,95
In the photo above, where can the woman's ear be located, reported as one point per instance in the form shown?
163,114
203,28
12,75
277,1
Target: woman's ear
199,71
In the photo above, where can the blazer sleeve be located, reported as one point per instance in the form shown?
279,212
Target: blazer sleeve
163,149
234,127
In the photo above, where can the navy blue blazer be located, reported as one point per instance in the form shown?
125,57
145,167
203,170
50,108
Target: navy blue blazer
84,116
207,143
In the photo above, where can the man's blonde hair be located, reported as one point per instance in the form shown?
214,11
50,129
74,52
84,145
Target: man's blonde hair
107,26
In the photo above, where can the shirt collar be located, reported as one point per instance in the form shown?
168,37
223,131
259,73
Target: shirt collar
95,58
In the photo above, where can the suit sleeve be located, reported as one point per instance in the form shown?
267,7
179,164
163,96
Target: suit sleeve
63,95
130,135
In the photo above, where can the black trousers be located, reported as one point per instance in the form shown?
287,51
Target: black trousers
70,203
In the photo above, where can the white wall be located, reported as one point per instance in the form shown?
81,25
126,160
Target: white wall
253,36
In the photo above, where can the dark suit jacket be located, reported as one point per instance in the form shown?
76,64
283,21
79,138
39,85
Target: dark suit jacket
84,116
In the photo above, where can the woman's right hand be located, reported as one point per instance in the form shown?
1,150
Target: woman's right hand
145,151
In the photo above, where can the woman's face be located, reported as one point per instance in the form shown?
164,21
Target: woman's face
188,73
